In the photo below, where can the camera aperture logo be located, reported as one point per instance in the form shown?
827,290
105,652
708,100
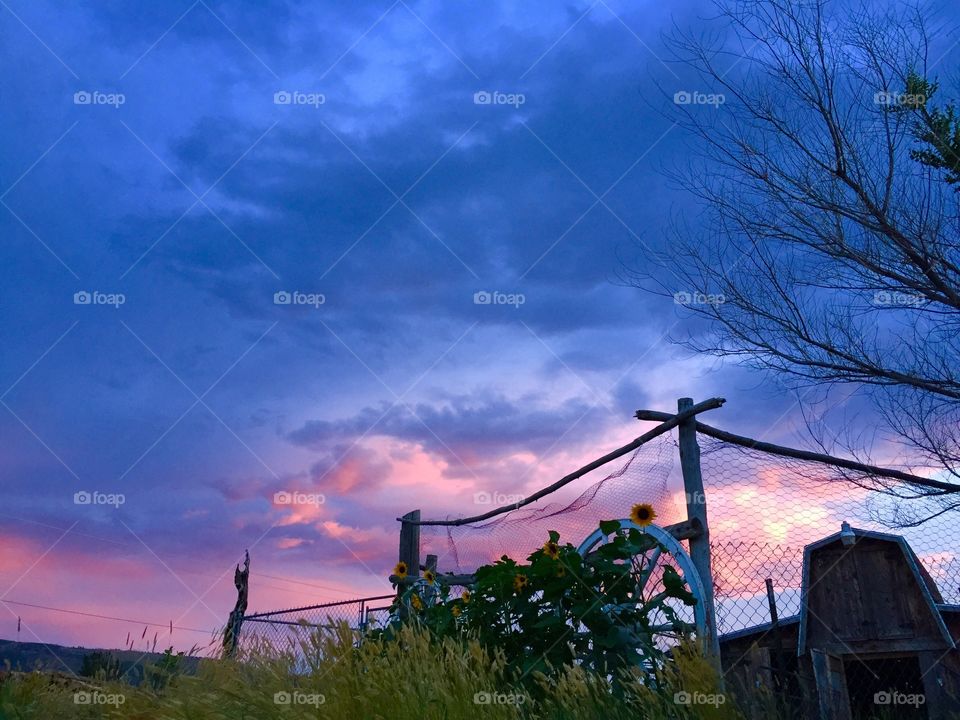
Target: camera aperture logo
95,297
699,698
698,298
898,698
695,97
298,698
298,498
486,97
97,697
495,297
295,297
886,98
497,498
95,497
95,97
888,298
495,698
295,97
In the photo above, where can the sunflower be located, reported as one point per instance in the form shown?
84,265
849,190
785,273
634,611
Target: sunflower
465,597
400,570
455,610
551,550
520,582
429,577
415,602
643,514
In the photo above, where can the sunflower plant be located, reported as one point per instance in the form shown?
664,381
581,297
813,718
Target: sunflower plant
559,607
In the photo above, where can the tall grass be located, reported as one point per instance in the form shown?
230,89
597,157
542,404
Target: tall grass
412,677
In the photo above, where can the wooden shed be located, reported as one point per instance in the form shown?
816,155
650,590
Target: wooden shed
873,637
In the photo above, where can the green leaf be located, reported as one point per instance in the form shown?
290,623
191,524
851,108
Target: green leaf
608,527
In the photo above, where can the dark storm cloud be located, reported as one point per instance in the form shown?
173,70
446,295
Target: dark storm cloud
462,429
200,398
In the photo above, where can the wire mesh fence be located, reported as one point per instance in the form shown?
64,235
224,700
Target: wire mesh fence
763,509
292,630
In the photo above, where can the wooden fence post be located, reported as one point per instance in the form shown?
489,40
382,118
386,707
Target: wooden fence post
231,633
410,542
697,508
409,550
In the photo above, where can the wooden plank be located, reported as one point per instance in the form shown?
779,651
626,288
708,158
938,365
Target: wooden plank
743,441
831,682
697,510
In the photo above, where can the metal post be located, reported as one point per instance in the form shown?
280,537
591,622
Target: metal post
781,675
697,508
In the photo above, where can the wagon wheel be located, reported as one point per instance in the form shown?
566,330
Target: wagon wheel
673,623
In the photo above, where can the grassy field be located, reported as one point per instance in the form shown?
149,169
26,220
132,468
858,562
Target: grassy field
411,678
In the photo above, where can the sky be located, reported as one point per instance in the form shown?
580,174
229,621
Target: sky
364,255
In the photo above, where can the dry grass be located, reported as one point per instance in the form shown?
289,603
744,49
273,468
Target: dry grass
411,678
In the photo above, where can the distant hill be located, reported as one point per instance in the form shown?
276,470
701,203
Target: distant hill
27,656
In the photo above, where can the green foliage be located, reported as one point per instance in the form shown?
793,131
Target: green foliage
101,665
559,607
165,670
936,129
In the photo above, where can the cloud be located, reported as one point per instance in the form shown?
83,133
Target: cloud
462,429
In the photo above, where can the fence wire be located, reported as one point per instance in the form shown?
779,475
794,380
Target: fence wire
292,630
763,509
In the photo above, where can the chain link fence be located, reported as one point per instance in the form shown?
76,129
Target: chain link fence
763,509
292,630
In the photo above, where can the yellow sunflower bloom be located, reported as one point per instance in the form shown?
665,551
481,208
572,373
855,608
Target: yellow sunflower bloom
430,577
551,550
520,582
643,514
455,610
400,570
415,602
465,597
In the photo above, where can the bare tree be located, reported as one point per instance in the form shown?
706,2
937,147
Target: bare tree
829,243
